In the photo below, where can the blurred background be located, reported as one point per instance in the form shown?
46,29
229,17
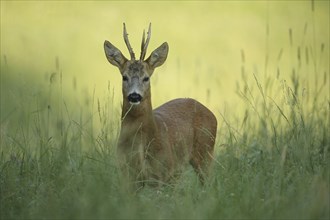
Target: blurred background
262,67
214,47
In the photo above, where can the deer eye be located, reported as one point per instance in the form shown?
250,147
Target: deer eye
125,78
146,79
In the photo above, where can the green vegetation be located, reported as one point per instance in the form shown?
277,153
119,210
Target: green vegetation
58,156
273,163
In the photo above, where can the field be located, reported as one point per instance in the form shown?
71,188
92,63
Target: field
261,67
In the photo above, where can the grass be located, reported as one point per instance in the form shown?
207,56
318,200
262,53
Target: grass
58,156
272,163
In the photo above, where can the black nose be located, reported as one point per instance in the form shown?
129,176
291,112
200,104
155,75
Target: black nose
134,97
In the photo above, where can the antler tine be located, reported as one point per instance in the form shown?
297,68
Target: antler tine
128,44
145,44
142,44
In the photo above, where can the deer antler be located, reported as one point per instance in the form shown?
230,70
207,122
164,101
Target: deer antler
128,44
144,44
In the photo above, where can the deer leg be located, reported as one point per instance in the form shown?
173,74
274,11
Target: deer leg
198,169
202,154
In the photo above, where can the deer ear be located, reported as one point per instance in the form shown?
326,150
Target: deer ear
113,54
158,56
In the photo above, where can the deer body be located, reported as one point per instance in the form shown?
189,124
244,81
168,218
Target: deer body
154,145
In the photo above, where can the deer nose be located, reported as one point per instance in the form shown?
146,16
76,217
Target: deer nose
134,97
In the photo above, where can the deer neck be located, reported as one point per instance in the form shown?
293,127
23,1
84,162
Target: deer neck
138,116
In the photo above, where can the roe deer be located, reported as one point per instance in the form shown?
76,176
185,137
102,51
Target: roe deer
154,144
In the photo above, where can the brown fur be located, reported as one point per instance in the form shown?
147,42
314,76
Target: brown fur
154,145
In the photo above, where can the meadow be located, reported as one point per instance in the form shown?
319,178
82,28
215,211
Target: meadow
263,69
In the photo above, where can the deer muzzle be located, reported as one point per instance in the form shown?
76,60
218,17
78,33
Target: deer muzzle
134,98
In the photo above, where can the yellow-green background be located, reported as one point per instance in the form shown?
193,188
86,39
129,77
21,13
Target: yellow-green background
206,42
57,139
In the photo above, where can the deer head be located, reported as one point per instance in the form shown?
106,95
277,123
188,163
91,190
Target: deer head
136,73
